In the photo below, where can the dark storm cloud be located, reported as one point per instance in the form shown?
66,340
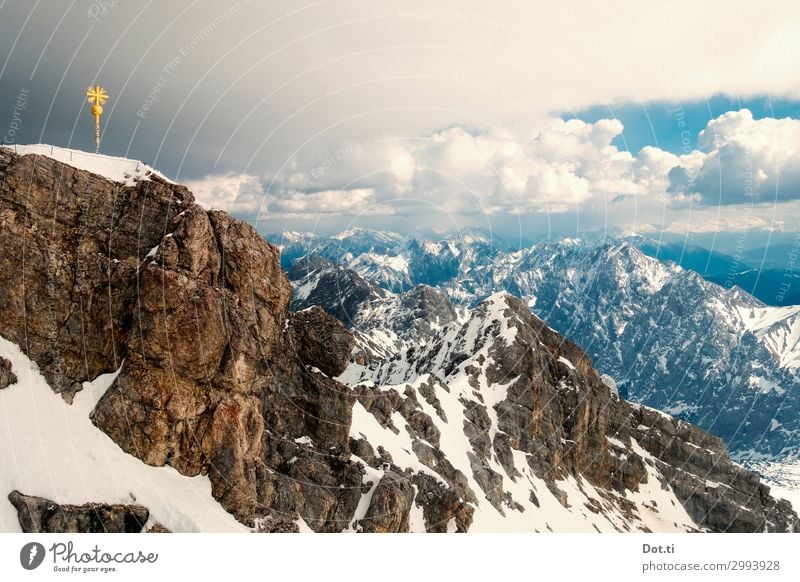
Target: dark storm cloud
149,55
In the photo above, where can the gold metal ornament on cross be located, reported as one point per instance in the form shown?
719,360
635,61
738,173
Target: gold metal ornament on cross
97,96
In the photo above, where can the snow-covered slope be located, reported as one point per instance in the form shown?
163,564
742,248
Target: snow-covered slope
390,272
116,169
51,449
778,328
783,477
480,410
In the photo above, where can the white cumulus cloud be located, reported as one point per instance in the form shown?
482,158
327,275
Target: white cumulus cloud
561,167
745,160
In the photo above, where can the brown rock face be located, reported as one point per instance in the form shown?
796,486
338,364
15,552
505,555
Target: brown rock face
71,245
7,376
320,340
215,379
40,515
390,505
207,321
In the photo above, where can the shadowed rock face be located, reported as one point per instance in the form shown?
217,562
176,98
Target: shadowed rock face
321,341
40,515
7,376
390,505
217,377
339,291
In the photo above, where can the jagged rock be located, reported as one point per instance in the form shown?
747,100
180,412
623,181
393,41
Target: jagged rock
554,409
303,403
320,340
339,291
328,491
442,506
390,505
401,320
7,376
718,493
196,305
363,450
40,515
210,311
68,266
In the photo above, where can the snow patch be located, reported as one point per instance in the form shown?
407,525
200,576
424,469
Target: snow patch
51,449
116,169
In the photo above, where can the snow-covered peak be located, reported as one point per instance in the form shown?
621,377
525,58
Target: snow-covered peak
116,169
652,272
779,330
390,272
294,236
383,236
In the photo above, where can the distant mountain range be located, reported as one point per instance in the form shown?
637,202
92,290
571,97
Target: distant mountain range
771,274
664,335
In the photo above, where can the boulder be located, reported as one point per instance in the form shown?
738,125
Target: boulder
40,515
7,376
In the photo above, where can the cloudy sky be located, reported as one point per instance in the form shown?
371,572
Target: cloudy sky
518,116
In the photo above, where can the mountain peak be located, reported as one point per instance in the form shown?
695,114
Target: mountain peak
116,169
360,232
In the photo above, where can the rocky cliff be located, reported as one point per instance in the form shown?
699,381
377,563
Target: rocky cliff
496,424
216,376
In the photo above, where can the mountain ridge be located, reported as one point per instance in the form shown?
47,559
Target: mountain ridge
184,313
633,313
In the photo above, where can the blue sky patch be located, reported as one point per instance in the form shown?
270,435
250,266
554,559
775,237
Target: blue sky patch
659,123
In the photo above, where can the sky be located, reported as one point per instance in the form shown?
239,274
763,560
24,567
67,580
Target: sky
516,116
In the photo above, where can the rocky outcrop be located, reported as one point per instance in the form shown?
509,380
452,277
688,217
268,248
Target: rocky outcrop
209,316
40,515
72,244
216,379
321,341
7,376
339,291
390,505
719,494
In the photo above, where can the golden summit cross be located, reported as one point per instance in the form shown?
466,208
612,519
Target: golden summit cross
97,96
